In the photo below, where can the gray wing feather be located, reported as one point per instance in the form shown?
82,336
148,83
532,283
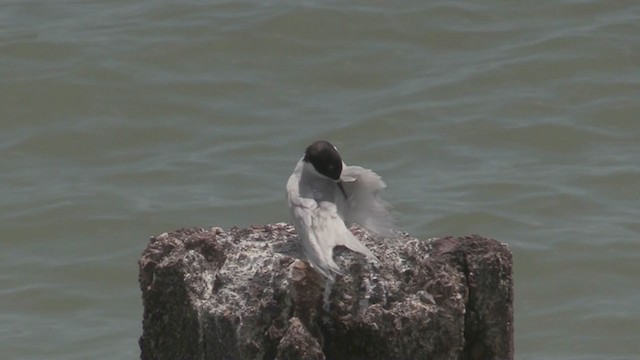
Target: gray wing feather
363,205
317,242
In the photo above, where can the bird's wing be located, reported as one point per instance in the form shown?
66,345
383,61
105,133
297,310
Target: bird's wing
363,205
320,229
316,244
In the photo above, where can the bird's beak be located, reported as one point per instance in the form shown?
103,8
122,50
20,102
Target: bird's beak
342,188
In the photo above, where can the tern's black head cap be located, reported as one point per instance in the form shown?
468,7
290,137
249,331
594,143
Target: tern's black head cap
325,159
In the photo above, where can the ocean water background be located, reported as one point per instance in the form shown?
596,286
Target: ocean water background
124,119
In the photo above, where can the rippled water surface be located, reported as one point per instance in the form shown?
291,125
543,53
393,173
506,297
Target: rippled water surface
515,120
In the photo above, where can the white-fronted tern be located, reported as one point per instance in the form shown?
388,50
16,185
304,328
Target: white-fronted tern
325,197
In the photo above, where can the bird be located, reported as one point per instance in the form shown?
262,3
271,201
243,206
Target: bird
325,197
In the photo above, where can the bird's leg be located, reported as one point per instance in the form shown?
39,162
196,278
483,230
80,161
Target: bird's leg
327,294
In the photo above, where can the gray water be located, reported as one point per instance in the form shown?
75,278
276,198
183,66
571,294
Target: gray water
515,120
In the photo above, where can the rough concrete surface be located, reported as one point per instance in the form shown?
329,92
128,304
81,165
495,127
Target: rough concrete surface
244,294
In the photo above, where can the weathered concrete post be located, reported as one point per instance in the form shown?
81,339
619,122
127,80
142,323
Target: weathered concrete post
243,294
